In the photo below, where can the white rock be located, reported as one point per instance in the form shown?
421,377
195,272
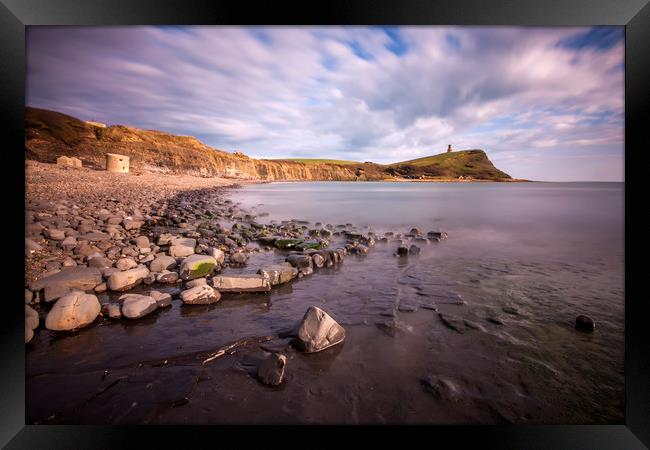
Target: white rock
121,281
135,306
200,295
318,331
72,311
241,283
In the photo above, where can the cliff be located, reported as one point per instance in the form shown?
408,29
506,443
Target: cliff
50,134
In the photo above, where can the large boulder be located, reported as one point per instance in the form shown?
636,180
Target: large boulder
279,273
197,266
271,370
122,281
180,251
72,311
241,283
162,262
200,295
68,279
135,306
318,331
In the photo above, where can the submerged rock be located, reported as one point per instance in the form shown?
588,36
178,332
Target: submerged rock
72,311
241,283
271,370
585,323
318,331
402,250
454,323
442,388
112,310
161,263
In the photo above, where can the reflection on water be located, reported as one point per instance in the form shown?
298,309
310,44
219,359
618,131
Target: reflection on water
521,262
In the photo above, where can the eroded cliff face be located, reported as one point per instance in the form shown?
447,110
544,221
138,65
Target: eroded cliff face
50,134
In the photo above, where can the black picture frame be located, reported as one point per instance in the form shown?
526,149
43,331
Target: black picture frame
633,14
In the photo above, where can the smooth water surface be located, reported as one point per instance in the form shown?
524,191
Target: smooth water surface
521,262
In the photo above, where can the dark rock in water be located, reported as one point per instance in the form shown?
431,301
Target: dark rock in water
309,244
495,319
429,306
402,251
585,323
407,308
442,388
271,370
392,326
287,243
300,262
414,231
414,250
359,250
454,323
511,310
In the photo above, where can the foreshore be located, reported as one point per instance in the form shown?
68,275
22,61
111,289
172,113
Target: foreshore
91,232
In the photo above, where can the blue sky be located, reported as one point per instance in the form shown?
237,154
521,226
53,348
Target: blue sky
545,103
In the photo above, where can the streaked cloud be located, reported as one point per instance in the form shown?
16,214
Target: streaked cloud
362,93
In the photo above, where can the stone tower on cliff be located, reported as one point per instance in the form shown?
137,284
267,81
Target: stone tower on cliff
449,148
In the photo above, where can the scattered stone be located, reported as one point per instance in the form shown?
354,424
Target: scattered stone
163,299
241,283
414,250
125,264
31,317
196,282
279,273
111,310
29,295
142,242
161,263
239,257
167,277
402,250
100,288
217,254
585,323
318,331
75,310
318,260
197,266
135,306
100,262
56,285
271,370
300,262
55,235
180,251
200,295
122,281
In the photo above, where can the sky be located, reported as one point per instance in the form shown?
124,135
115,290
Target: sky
544,103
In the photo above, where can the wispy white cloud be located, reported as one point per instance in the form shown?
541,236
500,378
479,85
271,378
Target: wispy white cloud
363,93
